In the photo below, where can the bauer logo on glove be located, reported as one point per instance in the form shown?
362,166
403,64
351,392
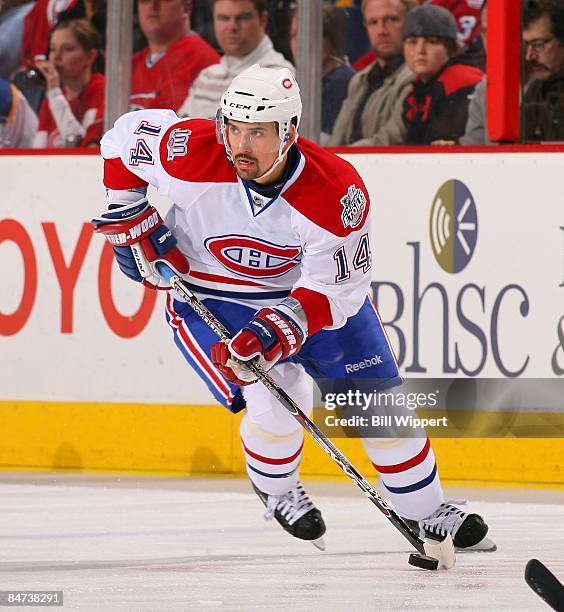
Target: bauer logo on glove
270,336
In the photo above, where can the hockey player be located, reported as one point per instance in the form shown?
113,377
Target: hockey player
275,239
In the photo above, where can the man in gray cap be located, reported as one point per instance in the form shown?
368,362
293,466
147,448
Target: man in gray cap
436,109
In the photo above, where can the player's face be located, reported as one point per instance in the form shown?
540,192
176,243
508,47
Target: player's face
254,146
544,53
70,58
425,55
163,21
238,26
384,23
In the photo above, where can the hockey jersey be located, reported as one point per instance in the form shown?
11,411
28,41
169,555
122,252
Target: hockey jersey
165,82
311,241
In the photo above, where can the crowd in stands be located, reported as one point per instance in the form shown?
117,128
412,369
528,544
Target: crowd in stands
394,72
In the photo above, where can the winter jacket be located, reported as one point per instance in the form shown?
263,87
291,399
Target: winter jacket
544,110
378,111
438,109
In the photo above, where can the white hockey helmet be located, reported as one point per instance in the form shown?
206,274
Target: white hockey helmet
262,95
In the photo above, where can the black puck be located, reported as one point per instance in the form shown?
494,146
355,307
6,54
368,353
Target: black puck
423,561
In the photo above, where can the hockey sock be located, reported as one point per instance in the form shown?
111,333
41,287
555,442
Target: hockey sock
408,474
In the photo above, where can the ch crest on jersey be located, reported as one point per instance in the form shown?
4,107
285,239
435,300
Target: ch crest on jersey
177,143
354,203
253,257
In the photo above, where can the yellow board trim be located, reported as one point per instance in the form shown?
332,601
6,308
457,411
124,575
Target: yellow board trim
183,440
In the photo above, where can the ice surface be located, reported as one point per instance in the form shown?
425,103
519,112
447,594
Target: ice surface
187,544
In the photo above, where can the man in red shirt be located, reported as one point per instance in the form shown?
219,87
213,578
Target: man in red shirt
163,72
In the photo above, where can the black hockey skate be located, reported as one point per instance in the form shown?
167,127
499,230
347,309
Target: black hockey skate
296,514
468,531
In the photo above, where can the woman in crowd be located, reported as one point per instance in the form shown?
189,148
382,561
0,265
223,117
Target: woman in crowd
72,113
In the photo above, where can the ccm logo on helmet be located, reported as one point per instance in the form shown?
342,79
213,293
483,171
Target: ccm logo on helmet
252,257
243,106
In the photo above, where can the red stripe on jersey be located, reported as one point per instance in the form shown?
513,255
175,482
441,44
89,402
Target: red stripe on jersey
117,176
405,465
316,307
271,461
212,373
216,278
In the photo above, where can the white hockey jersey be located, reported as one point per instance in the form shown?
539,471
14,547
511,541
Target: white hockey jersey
312,240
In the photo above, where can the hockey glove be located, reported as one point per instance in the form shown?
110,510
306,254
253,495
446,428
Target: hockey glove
140,239
271,335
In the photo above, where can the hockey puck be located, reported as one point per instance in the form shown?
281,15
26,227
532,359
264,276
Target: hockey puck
423,561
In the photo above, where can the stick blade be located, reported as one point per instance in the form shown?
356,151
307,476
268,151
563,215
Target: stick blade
442,551
545,584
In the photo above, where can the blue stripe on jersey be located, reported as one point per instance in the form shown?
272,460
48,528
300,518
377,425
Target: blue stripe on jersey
416,486
239,295
271,475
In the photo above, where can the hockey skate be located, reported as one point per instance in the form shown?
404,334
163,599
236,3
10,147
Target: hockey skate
468,531
296,514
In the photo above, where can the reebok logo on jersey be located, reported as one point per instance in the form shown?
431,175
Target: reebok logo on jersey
354,204
361,365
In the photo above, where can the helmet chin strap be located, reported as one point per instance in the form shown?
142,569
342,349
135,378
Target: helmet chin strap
281,155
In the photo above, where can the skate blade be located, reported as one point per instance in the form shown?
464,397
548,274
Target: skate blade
442,551
485,545
319,543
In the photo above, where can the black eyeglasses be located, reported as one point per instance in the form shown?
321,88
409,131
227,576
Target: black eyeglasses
537,45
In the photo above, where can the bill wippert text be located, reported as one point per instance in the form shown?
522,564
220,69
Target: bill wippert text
387,420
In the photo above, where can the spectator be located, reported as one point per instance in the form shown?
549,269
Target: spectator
164,71
38,24
336,72
240,30
72,115
467,16
12,16
374,92
358,44
18,122
436,108
543,42
476,127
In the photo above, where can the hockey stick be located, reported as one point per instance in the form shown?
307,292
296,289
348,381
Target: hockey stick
443,552
545,584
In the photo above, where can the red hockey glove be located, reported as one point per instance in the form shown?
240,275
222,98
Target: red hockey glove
270,336
140,239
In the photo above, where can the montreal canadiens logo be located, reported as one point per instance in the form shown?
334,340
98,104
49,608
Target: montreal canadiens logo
253,257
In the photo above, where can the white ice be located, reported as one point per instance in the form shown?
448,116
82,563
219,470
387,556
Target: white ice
126,543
